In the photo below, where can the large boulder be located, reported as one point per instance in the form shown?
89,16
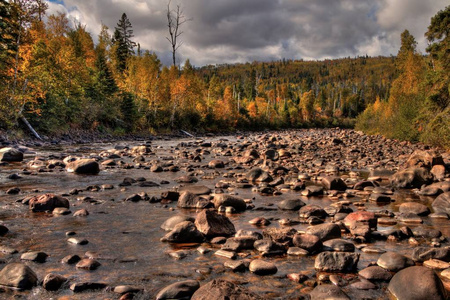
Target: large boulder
417,283
184,232
414,208
424,159
411,178
10,155
336,261
83,166
228,200
222,289
442,203
47,202
19,276
179,290
211,224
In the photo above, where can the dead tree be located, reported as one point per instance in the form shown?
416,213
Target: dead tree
175,18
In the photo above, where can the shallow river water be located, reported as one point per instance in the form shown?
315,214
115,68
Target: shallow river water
126,235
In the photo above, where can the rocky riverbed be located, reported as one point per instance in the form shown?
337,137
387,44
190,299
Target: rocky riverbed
304,214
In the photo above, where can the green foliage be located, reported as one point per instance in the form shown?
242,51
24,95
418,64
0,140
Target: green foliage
122,41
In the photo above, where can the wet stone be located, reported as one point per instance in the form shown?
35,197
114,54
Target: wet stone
88,264
179,290
77,241
393,261
375,273
17,275
70,259
328,291
84,286
261,267
336,261
36,256
52,282
339,245
417,283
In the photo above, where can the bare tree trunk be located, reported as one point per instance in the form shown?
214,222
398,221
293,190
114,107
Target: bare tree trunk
175,18
30,127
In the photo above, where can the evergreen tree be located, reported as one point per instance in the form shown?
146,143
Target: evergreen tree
124,46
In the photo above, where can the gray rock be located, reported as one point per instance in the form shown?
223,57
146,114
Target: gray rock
336,261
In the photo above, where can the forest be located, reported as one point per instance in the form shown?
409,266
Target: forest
55,78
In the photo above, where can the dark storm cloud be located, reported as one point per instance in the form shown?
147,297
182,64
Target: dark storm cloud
246,30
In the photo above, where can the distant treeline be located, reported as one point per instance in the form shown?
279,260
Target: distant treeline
54,76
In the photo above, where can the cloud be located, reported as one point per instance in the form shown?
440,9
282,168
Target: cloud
229,31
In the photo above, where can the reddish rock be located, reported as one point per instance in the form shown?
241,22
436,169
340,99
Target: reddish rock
47,202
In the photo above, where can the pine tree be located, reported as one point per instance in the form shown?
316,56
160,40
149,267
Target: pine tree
124,46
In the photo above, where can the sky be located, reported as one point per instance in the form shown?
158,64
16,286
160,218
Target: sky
239,31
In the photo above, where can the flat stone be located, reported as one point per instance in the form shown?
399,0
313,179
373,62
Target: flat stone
77,241
376,273
261,267
394,262
36,256
336,262
84,286
339,245
88,264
